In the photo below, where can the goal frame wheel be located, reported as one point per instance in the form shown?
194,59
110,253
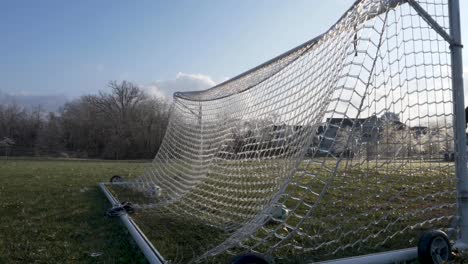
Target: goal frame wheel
434,247
116,178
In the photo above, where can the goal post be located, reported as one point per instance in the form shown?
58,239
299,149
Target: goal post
460,123
351,144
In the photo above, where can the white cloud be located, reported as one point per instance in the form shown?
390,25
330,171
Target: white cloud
182,83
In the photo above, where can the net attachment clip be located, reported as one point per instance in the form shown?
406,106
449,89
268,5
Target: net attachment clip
456,45
123,208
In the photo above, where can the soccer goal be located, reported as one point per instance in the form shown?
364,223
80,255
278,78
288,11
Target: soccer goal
352,144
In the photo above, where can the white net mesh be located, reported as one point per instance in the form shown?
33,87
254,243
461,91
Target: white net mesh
339,147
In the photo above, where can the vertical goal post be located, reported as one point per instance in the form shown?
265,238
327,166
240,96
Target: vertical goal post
460,122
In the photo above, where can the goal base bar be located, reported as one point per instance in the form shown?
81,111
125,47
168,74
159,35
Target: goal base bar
396,256
150,252
154,257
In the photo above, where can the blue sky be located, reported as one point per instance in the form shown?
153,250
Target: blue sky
72,48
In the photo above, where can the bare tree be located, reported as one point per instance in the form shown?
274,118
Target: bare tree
119,124
347,141
435,141
119,108
395,140
50,136
6,143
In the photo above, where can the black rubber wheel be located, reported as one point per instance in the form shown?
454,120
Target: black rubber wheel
250,258
116,178
434,247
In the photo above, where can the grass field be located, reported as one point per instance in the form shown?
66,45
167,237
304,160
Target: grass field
53,212
368,208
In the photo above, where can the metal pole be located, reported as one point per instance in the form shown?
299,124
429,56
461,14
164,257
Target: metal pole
459,124
389,257
150,252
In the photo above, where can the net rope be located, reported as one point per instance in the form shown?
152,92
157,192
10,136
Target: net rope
339,147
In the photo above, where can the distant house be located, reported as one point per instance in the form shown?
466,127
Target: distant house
366,132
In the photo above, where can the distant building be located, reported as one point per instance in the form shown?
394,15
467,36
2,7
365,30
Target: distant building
366,133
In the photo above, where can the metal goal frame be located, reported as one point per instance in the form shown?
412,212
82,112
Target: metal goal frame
453,38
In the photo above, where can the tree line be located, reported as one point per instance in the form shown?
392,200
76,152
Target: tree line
392,139
124,123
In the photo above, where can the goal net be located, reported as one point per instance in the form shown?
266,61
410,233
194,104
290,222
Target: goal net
341,146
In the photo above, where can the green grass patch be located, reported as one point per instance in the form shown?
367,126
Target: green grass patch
53,212
369,207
